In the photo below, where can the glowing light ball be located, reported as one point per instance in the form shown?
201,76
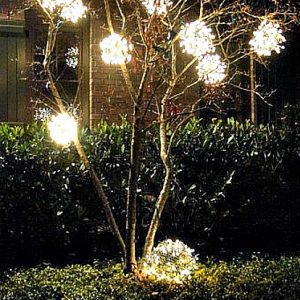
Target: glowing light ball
211,69
72,57
157,6
170,262
51,4
42,113
115,49
63,129
267,38
197,39
74,11
69,10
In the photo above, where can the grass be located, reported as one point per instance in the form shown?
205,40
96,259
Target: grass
255,278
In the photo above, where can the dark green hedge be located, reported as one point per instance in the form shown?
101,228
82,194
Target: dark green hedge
235,188
252,279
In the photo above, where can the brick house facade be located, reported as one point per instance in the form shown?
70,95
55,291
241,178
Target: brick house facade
108,94
102,94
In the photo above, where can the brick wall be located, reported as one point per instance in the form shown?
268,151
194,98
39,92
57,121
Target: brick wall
108,94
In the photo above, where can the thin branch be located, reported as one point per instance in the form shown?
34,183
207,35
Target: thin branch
122,16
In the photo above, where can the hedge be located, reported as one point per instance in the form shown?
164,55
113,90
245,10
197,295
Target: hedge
255,278
235,188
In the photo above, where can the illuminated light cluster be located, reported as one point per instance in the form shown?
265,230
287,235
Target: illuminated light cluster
197,39
170,262
63,129
42,113
74,11
115,49
69,10
157,6
267,38
73,110
211,69
51,5
72,57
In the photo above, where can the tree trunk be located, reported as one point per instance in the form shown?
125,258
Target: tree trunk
165,157
102,196
130,261
164,193
252,92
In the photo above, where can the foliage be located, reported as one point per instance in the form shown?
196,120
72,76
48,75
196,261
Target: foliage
47,201
235,188
255,278
237,185
170,262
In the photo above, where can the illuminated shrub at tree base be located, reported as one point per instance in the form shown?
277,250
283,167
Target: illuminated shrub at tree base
170,262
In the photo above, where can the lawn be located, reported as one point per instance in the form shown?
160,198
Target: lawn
253,278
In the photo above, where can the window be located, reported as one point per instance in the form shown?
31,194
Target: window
12,66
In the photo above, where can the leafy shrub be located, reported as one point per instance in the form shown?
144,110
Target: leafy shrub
236,185
235,188
251,279
48,207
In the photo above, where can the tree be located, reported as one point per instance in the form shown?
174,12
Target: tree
167,40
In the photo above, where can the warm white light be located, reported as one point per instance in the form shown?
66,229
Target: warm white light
157,6
170,262
42,113
267,38
69,10
197,39
63,129
51,4
115,49
72,57
74,11
211,69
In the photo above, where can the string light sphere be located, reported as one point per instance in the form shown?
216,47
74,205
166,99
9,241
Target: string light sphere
69,10
211,69
72,57
63,129
197,39
267,38
171,262
51,5
115,49
42,113
73,110
157,6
